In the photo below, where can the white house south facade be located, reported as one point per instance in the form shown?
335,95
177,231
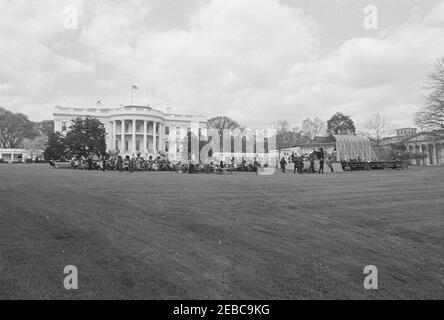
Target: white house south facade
137,129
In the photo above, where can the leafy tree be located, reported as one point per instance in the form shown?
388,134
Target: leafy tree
38,143
55,146
340,123
86,135
46,127
14,129
431,116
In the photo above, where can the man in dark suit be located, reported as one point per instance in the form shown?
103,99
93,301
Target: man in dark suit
321,160
283,164
103,163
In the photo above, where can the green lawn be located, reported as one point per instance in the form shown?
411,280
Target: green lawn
178,236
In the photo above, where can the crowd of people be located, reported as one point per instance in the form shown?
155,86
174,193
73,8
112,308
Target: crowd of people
316,161
222,167
138,163
119,163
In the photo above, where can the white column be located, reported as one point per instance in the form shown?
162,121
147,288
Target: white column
161,135
154,137
134,137
176,143
12,156
145,133
110,134
113,135
122,137
172,142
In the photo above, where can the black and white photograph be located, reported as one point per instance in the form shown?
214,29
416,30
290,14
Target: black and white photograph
239,152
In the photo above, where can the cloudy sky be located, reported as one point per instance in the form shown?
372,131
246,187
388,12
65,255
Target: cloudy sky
254,60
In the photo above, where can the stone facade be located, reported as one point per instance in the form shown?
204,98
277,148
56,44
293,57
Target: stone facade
430,144
137,129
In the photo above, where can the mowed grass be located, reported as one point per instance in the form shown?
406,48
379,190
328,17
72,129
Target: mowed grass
177,236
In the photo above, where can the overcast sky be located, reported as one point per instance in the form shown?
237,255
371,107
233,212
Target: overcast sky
256,61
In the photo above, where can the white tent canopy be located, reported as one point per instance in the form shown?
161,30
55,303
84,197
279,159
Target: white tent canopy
354,148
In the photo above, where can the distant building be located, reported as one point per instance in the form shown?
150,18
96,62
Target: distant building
402,134
14,155
430,144
137,129
406,132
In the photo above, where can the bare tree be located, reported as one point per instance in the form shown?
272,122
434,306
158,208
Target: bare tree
286,136
377,127
431,116
436,78
313,128
283,134
222,123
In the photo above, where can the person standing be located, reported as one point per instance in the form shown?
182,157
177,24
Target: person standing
312,164
119,163
256,165
300,163
131,164
321,160
283,164
321,166
294,160
103,163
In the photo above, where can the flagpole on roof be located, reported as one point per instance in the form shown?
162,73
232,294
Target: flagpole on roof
133,87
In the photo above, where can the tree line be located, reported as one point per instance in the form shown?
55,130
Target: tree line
84,136
17,131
